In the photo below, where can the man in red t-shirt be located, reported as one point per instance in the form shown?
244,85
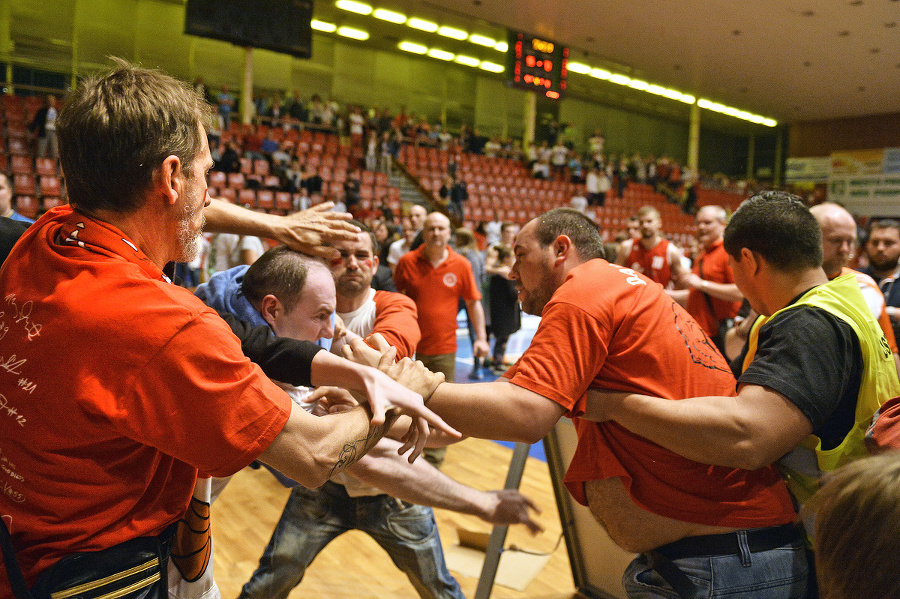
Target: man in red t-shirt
651,254
123,385
436,278
606,326
711,296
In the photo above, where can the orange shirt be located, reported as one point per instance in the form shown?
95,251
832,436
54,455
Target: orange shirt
436,292
608,327
884,321
652,263
712,265
123,386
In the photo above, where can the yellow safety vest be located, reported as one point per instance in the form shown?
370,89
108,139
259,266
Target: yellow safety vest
804,465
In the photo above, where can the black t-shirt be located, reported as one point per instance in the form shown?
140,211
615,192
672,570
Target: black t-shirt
813,358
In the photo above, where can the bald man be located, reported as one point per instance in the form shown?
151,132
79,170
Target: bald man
711,297
436,278
838,243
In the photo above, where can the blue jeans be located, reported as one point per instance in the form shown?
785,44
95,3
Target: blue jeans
779,573
313,517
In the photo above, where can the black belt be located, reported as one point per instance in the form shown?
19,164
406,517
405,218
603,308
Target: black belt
759,539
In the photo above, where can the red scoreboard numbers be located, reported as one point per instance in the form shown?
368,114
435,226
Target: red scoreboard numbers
537,64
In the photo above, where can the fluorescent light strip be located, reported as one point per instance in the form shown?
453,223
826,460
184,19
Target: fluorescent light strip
452,33
501,46
323,26
389,16
482,40
412,47
422,24
468,61
353,6
577,67
356,34
441,54
492,67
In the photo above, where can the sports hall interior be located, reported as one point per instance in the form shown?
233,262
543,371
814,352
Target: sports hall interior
817,78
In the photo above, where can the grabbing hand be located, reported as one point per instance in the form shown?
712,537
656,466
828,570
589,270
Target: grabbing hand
312,231
330,400
511,507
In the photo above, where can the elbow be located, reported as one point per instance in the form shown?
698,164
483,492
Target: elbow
749,455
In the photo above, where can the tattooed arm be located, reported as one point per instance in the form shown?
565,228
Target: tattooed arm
311,449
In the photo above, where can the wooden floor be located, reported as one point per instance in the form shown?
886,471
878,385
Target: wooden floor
354,566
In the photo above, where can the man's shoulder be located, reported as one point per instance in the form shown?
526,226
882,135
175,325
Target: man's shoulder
391,299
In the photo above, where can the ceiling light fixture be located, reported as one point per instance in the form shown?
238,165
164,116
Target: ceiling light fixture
491,66
422,24
469,61
482,40
413,47
452,32
323,26
389,16
352,33
353,6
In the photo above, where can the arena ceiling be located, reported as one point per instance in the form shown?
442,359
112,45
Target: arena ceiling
792,60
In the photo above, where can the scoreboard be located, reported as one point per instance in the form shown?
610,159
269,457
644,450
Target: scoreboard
537,64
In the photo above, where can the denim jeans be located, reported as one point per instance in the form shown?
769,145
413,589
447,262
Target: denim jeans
313,517
779,573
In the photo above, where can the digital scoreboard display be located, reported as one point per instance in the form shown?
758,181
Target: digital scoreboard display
537,64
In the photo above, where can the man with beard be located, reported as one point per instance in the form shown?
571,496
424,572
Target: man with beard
705,531
123,385
883,251
651,254
838,243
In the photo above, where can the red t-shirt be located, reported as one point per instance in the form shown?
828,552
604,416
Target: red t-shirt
712,265
117,387
436,292
608,327
652,263
393,315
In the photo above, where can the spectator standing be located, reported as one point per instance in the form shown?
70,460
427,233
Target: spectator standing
436,278
503,297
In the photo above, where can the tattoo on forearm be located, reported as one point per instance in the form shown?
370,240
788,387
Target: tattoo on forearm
353,451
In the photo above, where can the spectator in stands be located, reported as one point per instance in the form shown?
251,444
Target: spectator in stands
652,255
503,297
6,201
559,158
411,228
228,250
436,278
464,241
311,180
632,228
883,252
857,525
597,185
454,192
227,106
596,144
385,235
43,126
711,295
838,244
163,388
231,159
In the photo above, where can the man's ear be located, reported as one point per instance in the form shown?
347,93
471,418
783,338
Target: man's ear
562,248
170,180
750,260
271,309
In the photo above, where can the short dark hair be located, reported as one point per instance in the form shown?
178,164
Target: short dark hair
116,128
281,272
883,223
574,224
779,227
363,227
